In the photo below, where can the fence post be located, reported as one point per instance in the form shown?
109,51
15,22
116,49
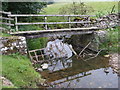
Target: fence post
9,21
69,21
16,26
45,20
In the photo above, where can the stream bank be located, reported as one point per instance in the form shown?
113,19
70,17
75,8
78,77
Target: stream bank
19,70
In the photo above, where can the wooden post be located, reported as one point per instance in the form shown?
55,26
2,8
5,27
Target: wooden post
69,21
16,26
45,20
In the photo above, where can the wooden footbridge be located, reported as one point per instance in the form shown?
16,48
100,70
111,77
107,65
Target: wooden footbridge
12,20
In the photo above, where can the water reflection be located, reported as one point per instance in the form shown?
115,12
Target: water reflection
73,72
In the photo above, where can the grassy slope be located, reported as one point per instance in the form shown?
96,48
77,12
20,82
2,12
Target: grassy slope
103,6
19,71
98,6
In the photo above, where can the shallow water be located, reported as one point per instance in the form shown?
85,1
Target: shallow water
76,73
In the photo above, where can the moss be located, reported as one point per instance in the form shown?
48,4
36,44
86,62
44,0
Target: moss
5,35
19,70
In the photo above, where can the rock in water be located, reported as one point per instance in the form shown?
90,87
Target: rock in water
44,66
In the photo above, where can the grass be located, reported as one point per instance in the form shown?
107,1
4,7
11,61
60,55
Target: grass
103,7
19,70
5,35
53,8
112,42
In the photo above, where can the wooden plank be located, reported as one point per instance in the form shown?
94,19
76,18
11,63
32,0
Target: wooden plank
28,15
55,30
7,24
3,18
37,23
4,12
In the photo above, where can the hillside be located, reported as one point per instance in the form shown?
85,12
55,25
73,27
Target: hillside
99,7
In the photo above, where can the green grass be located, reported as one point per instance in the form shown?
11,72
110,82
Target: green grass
53,8
112,42
19,71
5,35
36,43
103,7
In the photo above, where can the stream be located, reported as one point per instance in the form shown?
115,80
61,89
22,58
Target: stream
76,72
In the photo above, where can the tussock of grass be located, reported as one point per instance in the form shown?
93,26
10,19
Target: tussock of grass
19,71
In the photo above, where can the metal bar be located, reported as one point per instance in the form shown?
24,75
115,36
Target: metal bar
7,24
24,15
45,20
6,18
69,21
37,23
16,24
9,21
4,12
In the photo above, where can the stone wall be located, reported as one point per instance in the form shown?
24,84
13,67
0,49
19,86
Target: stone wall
13,44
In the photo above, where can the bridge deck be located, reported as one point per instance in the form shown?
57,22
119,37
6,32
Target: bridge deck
55,32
